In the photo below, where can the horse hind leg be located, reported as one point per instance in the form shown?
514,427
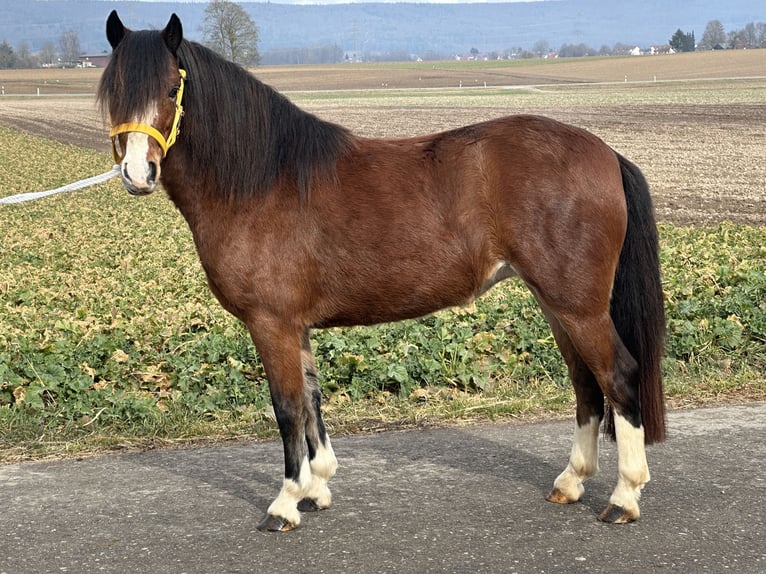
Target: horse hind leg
633,474
602,350
632,467
583,460
322,459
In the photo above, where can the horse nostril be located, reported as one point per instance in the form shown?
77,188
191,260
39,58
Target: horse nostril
151,172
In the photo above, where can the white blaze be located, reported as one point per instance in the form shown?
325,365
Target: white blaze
135,163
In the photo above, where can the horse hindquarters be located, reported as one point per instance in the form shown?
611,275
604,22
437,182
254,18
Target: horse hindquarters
632,384
606,329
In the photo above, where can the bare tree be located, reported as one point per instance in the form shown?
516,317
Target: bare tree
230,31
750,35
753,35
26,59
69,46
541,48
714,35
760,28
48,54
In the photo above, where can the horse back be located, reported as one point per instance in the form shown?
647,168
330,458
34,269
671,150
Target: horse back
423,223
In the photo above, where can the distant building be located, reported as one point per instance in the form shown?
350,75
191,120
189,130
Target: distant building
661,49
94,60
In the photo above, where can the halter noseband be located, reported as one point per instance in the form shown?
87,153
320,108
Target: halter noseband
165,144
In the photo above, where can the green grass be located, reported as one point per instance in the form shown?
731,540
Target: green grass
109,337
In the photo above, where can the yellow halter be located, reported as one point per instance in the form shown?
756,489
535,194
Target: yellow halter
165,144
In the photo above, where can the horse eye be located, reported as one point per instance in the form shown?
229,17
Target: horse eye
173,92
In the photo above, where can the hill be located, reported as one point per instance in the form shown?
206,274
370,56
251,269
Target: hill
408,28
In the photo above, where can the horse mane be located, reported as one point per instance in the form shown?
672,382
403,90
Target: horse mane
238,131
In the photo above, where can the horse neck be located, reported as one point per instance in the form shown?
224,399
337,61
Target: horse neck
188,190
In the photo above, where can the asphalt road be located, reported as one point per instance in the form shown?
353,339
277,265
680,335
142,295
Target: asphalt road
439,500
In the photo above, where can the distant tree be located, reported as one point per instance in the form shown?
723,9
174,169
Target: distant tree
605,51
682,42
432,55
621,49
48,54
324,54
390,56
69,47
231,32
576,51
8,58
474,52
713,35
541,48
750,36
26,59
753,35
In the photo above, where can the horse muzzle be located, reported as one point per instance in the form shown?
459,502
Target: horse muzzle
139,179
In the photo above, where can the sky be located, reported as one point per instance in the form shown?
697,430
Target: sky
344,1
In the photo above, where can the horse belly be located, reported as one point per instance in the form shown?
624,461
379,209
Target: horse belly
399,294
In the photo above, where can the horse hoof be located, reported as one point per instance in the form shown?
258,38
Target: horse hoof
614,514
271,523
308,505
558,497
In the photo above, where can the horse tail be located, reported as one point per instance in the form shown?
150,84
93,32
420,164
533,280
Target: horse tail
637,307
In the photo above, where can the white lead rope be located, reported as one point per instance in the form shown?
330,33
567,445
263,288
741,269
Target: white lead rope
96,179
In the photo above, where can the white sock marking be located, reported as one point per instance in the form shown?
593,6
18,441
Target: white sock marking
631,463
285,504
312,483
323,468
583,461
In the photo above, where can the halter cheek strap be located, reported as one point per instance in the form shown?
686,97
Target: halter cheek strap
165,144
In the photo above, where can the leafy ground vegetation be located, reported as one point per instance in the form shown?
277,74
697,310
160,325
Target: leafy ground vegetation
109,337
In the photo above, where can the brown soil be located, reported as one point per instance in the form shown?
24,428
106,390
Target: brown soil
708,65
705,163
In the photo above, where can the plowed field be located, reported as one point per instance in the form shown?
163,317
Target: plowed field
696,123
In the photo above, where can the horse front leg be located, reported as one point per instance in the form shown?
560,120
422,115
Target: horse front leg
279,347
322,459
309,459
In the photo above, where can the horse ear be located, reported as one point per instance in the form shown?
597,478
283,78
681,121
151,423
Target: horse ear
115,31
173,34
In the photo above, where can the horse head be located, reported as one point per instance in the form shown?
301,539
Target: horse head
141,92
